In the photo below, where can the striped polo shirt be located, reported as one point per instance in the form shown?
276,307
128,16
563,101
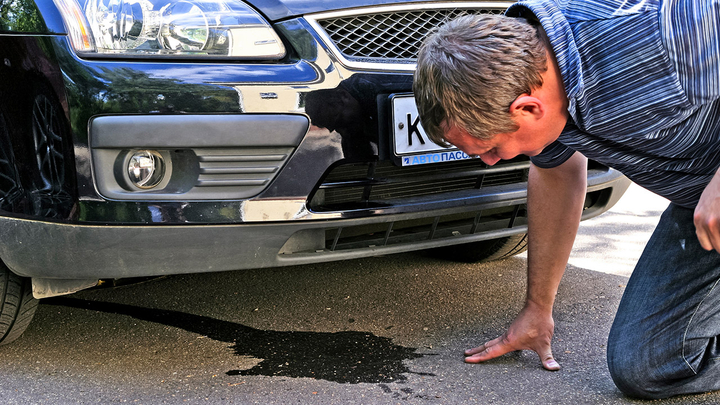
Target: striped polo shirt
643,83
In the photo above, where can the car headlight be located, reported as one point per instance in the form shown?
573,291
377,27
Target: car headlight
179,28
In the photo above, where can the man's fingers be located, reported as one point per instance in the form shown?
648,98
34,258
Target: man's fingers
481,348
475,350
707,228
548,361
714,234
497,347
709,239
703,239
490,350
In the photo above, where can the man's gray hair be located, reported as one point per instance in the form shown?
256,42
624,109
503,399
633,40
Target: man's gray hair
471,69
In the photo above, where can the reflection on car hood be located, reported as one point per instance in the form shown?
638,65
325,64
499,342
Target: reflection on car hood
280,9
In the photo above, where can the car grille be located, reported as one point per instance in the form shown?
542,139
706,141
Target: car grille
377,184
388,37
509,220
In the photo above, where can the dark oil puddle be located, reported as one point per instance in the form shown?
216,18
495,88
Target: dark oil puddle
342,357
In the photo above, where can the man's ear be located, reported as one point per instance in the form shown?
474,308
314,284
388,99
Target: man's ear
527,107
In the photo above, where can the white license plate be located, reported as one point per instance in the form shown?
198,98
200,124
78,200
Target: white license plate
410,142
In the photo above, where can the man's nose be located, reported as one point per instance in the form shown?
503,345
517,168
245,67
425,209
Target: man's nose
489,158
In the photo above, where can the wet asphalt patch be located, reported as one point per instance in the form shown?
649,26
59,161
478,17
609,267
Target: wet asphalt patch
343,357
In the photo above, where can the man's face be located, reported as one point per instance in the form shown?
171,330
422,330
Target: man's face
501,146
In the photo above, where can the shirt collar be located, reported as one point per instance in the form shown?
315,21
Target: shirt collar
562,41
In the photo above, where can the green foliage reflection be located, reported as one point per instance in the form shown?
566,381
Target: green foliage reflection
20,16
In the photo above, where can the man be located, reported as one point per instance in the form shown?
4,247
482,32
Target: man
634,84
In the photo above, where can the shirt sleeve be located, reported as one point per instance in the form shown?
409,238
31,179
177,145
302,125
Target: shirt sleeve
553,155
557,152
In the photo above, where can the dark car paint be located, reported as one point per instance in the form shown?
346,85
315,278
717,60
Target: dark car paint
180,85
281,9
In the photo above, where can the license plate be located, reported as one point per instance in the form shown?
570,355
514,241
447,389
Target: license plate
410,143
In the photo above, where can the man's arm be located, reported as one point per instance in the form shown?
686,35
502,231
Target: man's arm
555,202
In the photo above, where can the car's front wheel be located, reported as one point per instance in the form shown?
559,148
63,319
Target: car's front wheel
484,250
17,305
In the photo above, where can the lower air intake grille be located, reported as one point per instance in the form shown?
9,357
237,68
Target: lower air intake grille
426,229
363,185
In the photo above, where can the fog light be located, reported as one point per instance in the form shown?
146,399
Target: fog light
145,169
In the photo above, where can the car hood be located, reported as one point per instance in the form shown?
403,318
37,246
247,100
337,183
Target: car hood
276,10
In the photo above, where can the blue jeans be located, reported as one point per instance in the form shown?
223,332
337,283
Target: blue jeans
664,340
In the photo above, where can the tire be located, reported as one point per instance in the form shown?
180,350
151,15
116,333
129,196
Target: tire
17,305
483,251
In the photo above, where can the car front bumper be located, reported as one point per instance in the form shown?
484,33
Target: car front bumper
74,251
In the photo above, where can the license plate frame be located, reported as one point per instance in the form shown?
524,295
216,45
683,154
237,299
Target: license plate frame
409,142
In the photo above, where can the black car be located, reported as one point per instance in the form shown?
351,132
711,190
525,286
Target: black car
151,137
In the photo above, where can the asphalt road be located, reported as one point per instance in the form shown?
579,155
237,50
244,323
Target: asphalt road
374,331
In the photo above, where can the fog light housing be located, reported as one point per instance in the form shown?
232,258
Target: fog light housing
145,169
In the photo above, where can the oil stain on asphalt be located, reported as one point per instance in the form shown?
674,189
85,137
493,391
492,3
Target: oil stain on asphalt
342,357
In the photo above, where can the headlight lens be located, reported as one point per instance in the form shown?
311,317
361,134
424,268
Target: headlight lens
170,28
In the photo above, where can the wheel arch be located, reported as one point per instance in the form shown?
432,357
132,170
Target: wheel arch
37,164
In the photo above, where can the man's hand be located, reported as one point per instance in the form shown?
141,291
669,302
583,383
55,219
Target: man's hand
531,330
707,215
